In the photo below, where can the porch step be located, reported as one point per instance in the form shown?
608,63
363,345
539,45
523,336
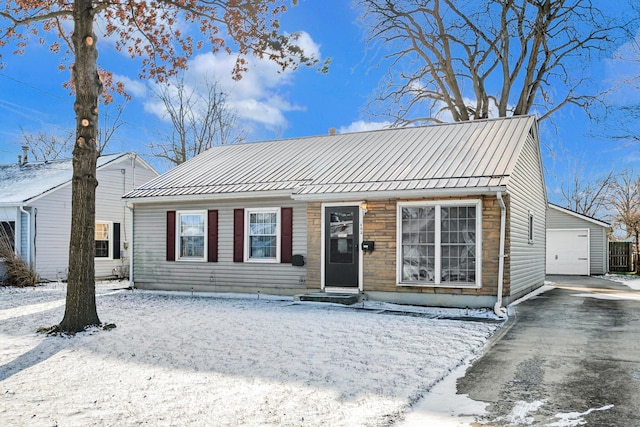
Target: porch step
346,299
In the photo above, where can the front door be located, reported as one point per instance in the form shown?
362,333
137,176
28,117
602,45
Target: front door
342,236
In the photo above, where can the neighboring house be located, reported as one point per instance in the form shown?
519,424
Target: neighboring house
576,244
35,206
414,215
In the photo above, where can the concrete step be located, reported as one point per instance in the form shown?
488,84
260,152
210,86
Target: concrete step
346,299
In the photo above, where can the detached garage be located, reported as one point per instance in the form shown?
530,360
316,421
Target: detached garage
576,244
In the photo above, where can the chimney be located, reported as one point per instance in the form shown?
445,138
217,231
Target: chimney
25,154
332,131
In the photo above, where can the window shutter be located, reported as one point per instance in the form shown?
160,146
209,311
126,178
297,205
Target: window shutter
286,235
212,236
171,235
116,240
238,235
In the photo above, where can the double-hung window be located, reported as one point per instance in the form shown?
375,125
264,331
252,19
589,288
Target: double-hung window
192,235
262,242
439,243
103,239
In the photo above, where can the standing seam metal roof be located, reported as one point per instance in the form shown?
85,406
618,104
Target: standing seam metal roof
455,155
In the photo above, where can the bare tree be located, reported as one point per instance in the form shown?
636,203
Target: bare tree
50,146
620,120
200,119
110,125
147,30
625,199
587,196
480,57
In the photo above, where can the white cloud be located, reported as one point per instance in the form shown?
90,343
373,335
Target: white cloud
135,88
363,126
256,97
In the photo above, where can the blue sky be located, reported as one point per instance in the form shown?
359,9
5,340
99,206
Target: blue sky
292,104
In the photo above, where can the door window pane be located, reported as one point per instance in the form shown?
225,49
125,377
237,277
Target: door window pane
341,237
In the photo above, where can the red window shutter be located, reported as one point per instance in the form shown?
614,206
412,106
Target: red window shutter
238,235
286,235
171,235
212,236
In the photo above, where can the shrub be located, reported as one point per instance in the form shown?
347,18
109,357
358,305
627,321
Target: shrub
16,271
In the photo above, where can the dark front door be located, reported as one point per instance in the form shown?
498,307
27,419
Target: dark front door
342,235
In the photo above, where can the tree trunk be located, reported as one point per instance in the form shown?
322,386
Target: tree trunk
81,309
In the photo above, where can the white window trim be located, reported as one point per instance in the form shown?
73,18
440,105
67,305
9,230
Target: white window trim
247,252
110,246
203,258
439,204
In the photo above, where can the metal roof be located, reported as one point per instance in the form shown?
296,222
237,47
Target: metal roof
464,155
22,183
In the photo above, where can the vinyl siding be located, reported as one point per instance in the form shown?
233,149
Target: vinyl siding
114,180
152,271
526,191
52,230
598,241
53,220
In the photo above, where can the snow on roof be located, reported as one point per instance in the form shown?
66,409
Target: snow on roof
21,183
477,154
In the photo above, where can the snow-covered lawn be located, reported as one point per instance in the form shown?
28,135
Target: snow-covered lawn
178,359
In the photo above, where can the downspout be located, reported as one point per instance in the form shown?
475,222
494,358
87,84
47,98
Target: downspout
29,248
498,308
131,285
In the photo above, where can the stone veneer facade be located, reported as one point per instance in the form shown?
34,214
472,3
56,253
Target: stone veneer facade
379,267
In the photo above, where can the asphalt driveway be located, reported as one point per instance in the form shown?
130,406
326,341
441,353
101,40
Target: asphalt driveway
569,357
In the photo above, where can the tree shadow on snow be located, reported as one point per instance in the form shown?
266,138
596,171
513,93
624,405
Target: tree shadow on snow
36,355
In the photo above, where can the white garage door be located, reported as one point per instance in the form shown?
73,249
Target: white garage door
568,252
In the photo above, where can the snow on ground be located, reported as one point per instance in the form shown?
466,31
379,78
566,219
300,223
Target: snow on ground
631,281
182,359
444,407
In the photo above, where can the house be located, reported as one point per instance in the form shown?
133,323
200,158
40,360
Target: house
443,215
576,244
35,208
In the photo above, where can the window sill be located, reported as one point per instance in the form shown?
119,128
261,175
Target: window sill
453,285
187,259
263,260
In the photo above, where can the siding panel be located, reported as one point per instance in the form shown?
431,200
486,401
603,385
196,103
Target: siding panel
151,271
527,194
52,220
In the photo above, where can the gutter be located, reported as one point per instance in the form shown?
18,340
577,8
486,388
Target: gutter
498,308
395,194
131,210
